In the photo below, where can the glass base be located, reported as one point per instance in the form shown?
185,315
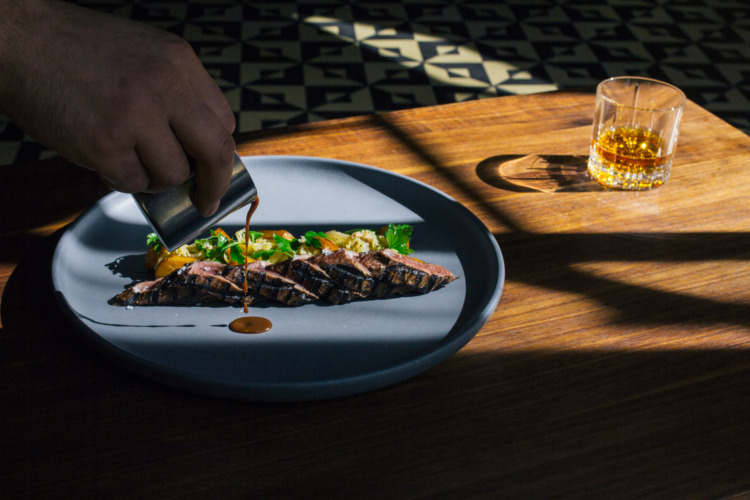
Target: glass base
609,175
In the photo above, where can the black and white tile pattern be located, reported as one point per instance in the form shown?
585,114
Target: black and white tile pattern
282,62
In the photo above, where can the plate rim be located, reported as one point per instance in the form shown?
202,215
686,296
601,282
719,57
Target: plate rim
299,391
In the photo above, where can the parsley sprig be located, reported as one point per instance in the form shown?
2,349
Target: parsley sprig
286,246
398,238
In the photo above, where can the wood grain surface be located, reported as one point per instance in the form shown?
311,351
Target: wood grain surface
617,363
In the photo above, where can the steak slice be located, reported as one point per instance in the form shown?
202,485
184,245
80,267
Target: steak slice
269,284
307,271
349,279
395,274
206,281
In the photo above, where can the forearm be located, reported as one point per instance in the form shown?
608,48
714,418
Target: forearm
15,15
19,25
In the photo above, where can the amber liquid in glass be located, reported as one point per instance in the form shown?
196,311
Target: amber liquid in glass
630,158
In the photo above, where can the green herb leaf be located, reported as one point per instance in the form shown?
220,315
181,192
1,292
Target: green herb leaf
312,239
284,246
398,238
236,254
254,236
215,247
153,241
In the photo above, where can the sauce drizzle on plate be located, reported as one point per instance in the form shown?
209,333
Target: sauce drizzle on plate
249,324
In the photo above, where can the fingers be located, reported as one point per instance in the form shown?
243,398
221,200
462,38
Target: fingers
124,173
211,145
155,164
159,158
212,148
202,124
156,107
209,93
163,158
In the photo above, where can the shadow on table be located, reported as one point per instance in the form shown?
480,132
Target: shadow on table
579,423
638,304
538,173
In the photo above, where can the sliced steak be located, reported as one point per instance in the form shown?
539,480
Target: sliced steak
347,272
394,274
336,277
306,271
269,284
205,281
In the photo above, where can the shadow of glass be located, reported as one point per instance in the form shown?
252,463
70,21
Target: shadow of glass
538,173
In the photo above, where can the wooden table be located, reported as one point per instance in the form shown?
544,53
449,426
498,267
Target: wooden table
617,363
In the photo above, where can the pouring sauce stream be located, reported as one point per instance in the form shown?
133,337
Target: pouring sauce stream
249,324
250,212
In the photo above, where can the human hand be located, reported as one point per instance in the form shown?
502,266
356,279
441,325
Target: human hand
129,101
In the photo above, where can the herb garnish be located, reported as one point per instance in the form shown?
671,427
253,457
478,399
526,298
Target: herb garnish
398,238
153,241
315,239
215,247
285,246
218,244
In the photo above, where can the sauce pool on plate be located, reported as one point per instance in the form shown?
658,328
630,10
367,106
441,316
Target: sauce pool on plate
250,324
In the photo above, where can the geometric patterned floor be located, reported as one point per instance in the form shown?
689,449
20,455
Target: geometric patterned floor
282,62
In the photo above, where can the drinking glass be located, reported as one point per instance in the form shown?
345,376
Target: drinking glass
636,124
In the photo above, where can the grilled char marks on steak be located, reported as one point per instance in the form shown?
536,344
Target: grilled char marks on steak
336,277
306,271
195,282
343,276
345,269
396,274
265,282
205,281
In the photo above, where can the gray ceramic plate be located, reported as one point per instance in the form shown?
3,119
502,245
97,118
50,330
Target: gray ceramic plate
314,351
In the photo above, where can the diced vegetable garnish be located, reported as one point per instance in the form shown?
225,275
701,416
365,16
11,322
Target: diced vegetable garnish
273,245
